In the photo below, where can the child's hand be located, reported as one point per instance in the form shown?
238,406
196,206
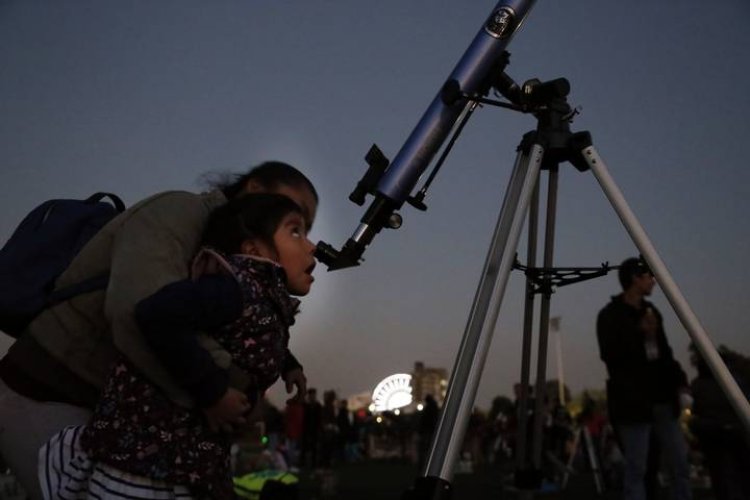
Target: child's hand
296,378
227,412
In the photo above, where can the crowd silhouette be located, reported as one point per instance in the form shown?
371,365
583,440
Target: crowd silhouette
578,437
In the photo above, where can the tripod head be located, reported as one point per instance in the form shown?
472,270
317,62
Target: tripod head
392,183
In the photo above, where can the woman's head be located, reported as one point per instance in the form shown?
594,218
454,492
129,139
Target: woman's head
275,177
266,225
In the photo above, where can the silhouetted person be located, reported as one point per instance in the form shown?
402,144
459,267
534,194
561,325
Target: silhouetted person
311,426
644,381
720,432
496,445
274,421
294,417
330,429
346,430
428,419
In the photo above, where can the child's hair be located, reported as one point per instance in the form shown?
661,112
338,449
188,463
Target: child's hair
256,215
269,175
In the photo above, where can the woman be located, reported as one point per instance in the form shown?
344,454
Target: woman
52,375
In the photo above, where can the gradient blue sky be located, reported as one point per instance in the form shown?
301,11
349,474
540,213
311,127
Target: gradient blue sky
138,97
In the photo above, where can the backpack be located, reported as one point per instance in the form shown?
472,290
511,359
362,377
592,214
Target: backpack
41,248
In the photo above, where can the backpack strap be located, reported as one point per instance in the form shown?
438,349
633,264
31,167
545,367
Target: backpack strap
116,201
95,282
98,282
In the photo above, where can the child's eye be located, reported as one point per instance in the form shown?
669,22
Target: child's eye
297,232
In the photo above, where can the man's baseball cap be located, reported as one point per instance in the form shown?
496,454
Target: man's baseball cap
634,266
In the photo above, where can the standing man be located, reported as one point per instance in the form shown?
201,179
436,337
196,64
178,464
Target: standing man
645,381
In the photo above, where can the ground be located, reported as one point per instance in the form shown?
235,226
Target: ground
388,480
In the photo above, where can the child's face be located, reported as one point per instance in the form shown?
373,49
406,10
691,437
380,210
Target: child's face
303,197
294,252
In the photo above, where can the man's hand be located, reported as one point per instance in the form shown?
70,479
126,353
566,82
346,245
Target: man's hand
227,412
296,378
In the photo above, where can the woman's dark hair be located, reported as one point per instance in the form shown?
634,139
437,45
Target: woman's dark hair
269,175
255,215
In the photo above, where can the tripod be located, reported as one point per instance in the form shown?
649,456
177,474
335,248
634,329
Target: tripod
587,449
545,148
552,143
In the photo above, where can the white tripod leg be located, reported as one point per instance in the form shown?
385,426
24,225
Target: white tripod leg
467,371
679,304
593,460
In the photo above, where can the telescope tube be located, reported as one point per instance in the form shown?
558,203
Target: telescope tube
472,74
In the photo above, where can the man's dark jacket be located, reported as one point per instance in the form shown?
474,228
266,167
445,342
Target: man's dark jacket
635,384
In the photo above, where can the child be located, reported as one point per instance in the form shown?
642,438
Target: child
140,444
53,375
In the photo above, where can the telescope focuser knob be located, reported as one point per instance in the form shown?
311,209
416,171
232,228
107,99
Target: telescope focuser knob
395,221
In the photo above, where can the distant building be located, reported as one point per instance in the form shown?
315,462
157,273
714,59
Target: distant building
426,381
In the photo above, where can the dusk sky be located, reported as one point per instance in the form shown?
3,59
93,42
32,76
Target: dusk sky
137,97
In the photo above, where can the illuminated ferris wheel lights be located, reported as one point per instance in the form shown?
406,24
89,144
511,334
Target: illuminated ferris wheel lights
392,393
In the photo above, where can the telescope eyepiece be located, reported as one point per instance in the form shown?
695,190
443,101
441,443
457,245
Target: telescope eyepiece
326,254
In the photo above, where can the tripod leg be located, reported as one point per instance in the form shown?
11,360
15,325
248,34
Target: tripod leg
593,461
540,408
467,370
574,448
528,321
679,304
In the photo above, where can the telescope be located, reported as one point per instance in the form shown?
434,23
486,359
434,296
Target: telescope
392,183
